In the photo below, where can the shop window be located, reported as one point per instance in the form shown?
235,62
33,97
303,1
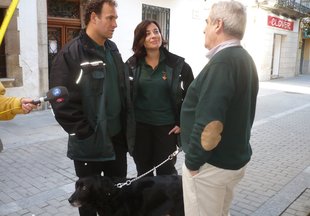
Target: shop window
160,15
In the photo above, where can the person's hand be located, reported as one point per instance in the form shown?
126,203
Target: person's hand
175,130
193,172
27,106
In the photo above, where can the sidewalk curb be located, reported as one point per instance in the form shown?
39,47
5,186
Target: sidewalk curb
282,200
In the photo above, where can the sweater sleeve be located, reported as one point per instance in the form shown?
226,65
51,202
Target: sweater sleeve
9,106
216,91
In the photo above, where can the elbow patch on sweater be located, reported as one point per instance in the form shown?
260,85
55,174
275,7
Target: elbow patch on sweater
211,135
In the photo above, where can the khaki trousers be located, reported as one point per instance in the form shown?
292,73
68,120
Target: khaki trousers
210,192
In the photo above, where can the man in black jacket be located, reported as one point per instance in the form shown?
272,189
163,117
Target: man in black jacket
98,109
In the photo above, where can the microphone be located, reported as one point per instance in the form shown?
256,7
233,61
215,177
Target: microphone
57,94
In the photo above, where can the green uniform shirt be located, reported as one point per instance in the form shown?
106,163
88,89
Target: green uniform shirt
113,102
153,103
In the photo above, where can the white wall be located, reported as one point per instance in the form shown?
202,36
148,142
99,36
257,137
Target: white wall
258,42
28,59
187,37
129,15
186,33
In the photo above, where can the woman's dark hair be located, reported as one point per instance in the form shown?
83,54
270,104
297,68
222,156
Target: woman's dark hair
140,35
96,7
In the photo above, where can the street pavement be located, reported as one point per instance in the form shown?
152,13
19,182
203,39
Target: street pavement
36,177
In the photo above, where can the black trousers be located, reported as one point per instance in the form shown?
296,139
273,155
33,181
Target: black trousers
153,145
115,168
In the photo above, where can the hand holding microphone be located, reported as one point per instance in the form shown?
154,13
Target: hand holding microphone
27,105
57,94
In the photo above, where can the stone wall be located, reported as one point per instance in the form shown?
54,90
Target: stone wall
12,50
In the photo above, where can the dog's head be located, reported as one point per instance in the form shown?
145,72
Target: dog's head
91,190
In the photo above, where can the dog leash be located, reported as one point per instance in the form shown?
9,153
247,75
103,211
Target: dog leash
170,157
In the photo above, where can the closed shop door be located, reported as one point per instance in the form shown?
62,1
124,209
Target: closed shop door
276,56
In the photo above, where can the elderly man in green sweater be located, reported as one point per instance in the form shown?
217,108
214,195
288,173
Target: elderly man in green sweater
217,115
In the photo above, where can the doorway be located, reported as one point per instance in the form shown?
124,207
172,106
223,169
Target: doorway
276,56
64,24
60,31
305,57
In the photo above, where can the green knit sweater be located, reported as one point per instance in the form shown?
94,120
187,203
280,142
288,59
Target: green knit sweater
225,90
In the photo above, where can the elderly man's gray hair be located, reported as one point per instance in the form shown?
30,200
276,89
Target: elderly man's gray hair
233,14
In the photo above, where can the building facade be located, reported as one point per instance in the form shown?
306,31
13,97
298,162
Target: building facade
280,41
24,62
276,36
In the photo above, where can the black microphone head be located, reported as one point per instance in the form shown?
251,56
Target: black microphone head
57,94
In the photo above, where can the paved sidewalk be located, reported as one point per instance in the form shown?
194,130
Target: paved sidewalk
36,177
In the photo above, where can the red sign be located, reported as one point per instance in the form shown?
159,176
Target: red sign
280,23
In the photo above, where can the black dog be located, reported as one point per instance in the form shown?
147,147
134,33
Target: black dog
148,196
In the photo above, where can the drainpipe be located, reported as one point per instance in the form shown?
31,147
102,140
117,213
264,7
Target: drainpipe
8,16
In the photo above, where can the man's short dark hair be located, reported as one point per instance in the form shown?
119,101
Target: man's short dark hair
96,7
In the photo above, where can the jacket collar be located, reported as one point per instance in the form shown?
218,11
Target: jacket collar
171,59
221,46
89,44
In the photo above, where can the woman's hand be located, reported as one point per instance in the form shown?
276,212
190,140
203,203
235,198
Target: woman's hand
175,130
